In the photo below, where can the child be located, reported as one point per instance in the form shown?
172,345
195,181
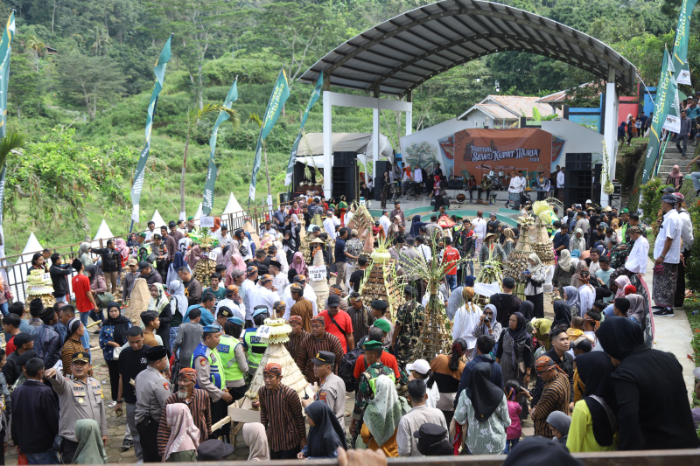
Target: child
420,369
560,423
512,390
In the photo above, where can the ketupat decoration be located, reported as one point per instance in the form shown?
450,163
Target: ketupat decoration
518,259
539,236
491,271
361,220
39,285
276,352
381,282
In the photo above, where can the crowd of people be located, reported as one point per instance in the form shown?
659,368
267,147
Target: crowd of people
586,374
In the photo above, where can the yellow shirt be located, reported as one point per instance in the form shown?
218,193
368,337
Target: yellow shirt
390,447
581,438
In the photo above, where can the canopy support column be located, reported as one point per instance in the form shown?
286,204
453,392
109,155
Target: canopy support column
327,144
610,131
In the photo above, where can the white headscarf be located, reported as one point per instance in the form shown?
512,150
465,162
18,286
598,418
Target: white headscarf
177,293
184,435
254,436
565,260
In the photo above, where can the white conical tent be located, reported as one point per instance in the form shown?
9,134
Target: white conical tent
19,272
158,220
103,233
198,215
233,206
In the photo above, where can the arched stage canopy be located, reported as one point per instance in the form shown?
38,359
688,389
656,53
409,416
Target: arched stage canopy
402,53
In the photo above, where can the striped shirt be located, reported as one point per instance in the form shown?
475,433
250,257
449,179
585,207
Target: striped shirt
361,321
310,347
69,349
295,342
281,415
200,409
555,397
305,310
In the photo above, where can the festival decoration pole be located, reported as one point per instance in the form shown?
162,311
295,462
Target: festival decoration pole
208,200
5,50
159,71
280,94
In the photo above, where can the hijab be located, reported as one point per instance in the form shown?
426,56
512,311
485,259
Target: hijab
301,268
559,421
184,435
619,336
520,333
576,242
494,320
595,369
178,261
527,310
576,278
193,256
159,303
120,245
572,298
384,412
538,263
90,448
622,281
676,175
636,309
562,313
255,437
565,260
120,325
326,435
484,394
509,235
543,327
416,225
177,294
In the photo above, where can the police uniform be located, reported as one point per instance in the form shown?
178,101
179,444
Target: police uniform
152,389
234,362
254,346
77,400
210,375
332,390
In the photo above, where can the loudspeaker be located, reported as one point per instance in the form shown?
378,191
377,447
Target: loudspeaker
578,178
382,166
346,176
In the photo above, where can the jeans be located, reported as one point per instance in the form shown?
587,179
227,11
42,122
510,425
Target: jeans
173,336
47,457
131,421
4,307
695,176
510,444
62,299
85,339
452,281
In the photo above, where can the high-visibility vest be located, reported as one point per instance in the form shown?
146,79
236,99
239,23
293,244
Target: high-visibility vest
227,354
256,349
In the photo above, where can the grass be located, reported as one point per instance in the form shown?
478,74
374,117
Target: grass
691,305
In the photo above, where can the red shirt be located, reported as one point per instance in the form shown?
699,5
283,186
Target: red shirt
81,287
451,256
344,321
10,346
388,359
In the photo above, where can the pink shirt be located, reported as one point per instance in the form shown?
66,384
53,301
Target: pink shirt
515,429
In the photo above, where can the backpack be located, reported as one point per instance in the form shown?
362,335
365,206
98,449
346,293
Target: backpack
347,367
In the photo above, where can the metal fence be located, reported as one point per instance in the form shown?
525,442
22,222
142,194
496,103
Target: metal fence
15,268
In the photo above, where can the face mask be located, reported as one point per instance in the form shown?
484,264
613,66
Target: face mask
182,394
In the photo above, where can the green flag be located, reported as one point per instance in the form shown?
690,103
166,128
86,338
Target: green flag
5,50
680,44
662,104
208,201
159,71
293,156
279,96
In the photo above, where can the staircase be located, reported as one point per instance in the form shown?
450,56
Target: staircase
673,157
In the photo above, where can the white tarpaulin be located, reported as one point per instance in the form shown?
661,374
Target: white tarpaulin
102,233
198,215
19,273
232,206
158,220
361,143
487,289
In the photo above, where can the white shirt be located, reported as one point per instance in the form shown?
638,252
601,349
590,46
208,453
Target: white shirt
261,296
426,252
225,240
237,309
638,256
329,227
418,175
671,228
406,176
309,294
348,216
246,290
686,229
465,323
271,232
586,296
246,244
281,257
385,223
561,179
480,227
280,281
149,235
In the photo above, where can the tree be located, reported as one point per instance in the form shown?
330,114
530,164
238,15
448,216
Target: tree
62,179
89,80
193,118
25,86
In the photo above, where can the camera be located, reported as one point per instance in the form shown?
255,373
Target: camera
487,319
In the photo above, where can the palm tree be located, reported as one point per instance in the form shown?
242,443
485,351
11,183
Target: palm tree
7,144
193,117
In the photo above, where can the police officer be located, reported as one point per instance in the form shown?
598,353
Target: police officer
152,389
210,372
255,348
233,357
332,389
80,397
